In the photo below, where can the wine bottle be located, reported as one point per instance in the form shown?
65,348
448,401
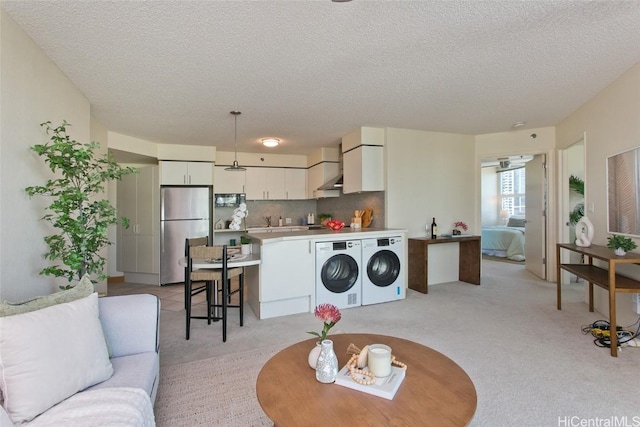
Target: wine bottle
434,229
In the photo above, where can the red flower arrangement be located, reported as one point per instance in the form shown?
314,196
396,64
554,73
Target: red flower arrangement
330,315
459,225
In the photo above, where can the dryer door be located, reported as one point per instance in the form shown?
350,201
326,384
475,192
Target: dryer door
383,268
339,273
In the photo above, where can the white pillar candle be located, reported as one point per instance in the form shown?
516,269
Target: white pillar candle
379,360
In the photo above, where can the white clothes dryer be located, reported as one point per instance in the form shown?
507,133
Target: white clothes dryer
382,279
338,277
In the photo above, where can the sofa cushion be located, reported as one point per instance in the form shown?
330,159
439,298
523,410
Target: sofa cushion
50,354
83,289
137,370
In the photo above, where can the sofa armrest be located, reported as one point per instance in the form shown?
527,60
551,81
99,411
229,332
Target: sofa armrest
131,323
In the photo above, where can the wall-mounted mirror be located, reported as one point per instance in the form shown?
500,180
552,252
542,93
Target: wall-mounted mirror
623,193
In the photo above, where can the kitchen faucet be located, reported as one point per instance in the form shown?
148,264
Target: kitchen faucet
268,219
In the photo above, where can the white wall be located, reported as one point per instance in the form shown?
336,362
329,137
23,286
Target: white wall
429,174
610,122
34,90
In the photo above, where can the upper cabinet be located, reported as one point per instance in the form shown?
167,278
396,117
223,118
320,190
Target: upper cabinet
295,181
363,161
186,173
228,182
265,184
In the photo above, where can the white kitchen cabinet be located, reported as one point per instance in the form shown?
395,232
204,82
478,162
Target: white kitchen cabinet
295,181
317,175
228,182
363,170
284,282
265,184
138,200
363,161
186,173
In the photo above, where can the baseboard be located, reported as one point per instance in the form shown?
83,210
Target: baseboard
115,279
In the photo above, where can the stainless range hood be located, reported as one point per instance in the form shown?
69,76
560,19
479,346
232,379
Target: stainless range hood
334,183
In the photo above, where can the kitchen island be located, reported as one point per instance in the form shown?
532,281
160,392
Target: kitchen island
285,281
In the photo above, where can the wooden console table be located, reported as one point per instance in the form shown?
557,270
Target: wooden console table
468,265
606,279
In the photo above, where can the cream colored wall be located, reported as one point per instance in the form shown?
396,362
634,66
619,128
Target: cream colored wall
429,174
610,122
34,90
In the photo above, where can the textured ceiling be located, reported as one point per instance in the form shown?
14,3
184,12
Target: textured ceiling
309,72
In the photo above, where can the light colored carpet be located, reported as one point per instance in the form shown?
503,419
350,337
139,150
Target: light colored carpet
213,392
530,363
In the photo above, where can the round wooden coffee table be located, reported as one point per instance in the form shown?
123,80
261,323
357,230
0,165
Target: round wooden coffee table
435,390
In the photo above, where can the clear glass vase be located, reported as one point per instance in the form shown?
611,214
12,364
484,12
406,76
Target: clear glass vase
327,364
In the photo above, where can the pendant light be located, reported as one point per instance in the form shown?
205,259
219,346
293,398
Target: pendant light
235,166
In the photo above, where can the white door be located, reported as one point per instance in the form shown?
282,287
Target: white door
535,214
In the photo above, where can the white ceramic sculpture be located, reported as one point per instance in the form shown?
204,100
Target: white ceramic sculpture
584,232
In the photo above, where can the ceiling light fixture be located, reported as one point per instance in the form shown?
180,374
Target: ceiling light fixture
235,166
517,125
270,142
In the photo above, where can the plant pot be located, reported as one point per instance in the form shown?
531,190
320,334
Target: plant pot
620,252
245,249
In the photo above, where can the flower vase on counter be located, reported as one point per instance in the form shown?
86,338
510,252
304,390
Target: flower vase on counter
327,364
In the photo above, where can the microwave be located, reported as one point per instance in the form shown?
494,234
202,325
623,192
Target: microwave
229,200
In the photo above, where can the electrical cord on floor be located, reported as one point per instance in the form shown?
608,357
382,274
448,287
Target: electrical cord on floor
601,330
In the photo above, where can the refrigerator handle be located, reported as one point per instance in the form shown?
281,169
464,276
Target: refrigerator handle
161,237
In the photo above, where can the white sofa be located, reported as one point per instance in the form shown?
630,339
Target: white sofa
131,330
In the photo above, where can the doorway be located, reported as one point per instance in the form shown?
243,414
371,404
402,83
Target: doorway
514,197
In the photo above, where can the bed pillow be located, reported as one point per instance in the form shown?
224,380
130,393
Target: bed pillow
515,221
83,289
50,354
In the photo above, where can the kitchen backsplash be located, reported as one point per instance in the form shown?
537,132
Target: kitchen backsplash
259,209
341,208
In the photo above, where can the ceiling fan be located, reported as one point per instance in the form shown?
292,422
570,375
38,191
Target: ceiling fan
504,164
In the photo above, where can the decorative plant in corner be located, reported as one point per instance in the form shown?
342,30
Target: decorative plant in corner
620,244
81,217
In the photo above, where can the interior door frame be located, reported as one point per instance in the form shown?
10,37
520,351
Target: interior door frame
550,220
564,208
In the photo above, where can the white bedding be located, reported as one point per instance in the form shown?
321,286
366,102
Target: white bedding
504,241
117,406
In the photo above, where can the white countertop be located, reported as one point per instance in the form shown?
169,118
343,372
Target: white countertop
326,234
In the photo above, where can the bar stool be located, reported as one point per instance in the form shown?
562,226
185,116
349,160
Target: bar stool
222,278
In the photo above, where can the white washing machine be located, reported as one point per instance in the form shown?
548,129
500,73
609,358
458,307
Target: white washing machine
382,264
338,273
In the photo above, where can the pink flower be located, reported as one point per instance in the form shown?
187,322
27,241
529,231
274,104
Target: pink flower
460,224
330,315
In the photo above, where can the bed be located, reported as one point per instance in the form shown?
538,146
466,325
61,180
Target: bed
505,242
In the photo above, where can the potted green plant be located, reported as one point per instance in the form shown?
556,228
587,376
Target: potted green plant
245,245
77,211
620,244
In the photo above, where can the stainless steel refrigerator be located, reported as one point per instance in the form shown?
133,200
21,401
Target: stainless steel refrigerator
185,212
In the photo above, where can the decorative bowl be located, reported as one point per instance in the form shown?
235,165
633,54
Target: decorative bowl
335,225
